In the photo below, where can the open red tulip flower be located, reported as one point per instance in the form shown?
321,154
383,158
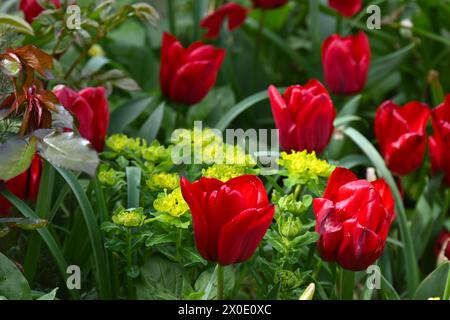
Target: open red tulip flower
187,75
353,219
304,116
440,141
347,8
90,107
346,63
269,4
25,186
400,132
31,8
230,219
235,13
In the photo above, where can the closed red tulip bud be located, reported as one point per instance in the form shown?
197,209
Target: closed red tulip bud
440,141
187,75
269,4
346,63
235,14
31,8
353,219
443,244
90,108
400,132
230,219
25,186
304,116
347,8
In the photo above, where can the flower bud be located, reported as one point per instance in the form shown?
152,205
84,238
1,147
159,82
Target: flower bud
291,228
308,294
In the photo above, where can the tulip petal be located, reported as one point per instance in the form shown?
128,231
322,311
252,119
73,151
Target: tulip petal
198,218
328,227
241,236
252,190
315,124
338,178
360,247
193,81
96,99
347,8
283,120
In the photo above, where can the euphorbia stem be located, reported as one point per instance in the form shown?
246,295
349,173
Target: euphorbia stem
220,282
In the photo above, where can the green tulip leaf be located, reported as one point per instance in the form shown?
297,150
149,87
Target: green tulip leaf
433,285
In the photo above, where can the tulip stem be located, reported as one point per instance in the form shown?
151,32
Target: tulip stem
339,24
447,288
346,284
220,282
171,16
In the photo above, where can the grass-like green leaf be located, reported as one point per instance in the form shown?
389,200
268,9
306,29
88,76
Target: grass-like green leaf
411,267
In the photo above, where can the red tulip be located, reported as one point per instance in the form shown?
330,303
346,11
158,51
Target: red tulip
346,63
440,141
25,186
32,8
230,219
235,14
353,220
443,243
269,4
187,75
400,132
91,109
347,8
304,116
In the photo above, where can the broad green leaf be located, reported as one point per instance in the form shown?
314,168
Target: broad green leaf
17,23
387,290
382,67
162,279
377,160
245,104
45,235
351,107
150,128
70,151
94,65
13,284
16,156
49,296
62,118
133,182
127,113
434,284
207,282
